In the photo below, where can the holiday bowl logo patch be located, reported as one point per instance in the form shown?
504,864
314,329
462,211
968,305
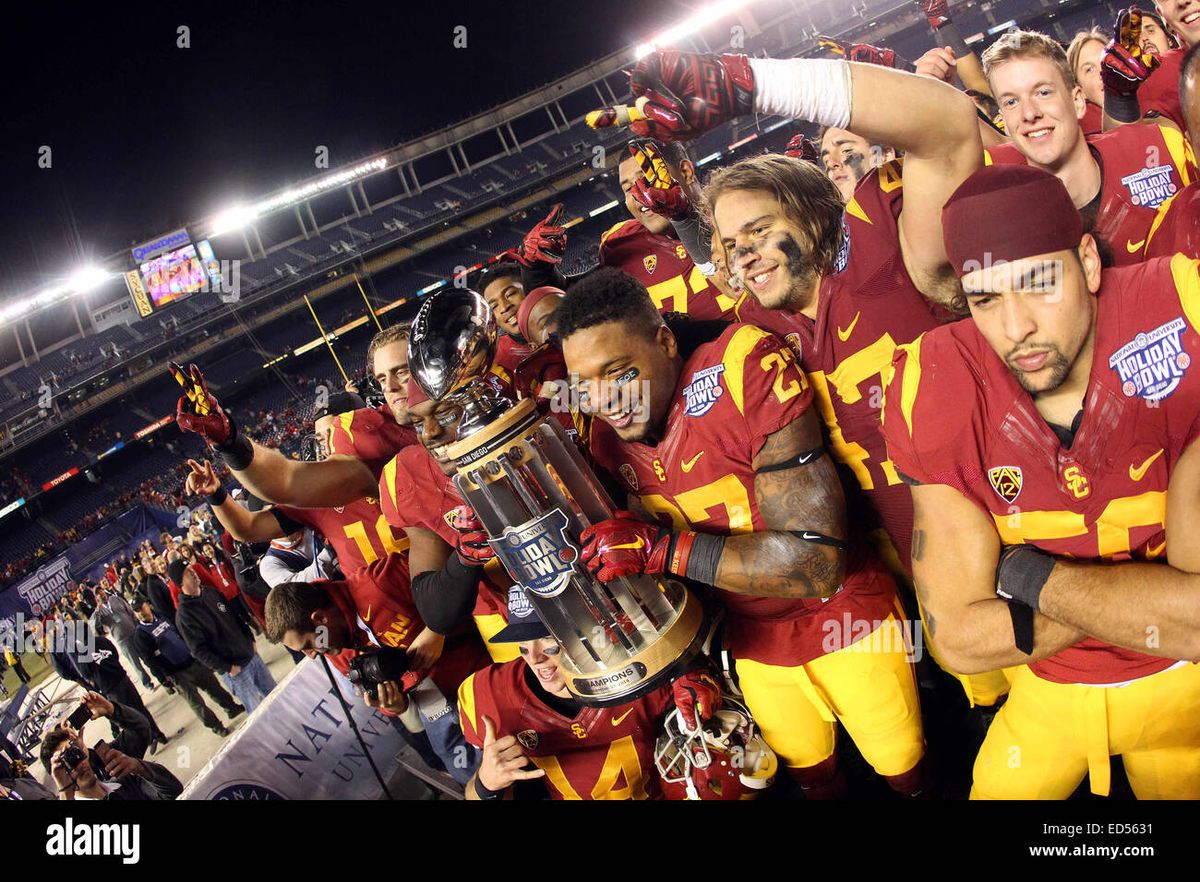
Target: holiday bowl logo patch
1006,481
843,256
538,554
1151,365
1151,187
703,391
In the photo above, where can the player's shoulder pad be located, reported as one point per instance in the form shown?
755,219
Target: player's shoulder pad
395,481
929,377
618,230
1185,272
741,345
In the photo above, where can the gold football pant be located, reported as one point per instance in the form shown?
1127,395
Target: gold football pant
869,686
1049,735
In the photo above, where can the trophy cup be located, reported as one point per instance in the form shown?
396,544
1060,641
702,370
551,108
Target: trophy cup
534,494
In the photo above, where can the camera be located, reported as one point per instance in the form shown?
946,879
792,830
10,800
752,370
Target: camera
373,667
73,756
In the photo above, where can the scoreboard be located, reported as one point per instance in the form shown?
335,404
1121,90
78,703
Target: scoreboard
171,268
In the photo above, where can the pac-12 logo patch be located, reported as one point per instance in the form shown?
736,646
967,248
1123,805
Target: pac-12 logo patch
629,475
1153,363
538,553
528,738
1006,481
1151,187
703,391
650,262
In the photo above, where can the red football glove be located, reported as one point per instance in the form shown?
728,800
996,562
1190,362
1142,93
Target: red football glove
546,242
682,95
656,189
198,410
1125,65
804,148
865,53
471,542
937,11
697,695
625,546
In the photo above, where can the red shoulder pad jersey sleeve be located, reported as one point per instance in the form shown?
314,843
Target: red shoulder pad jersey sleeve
928,393
396,487
477,698
765,383
1185,274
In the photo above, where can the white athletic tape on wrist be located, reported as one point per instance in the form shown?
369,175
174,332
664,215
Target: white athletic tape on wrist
812,89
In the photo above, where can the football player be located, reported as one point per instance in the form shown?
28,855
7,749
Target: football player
454,571
847,159
1054,431
358,531
1117,179
521,714
843,283
1177,227
362,442
1142,62
726,463
503,291
375,607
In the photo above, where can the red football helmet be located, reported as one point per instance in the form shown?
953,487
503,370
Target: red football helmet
725,759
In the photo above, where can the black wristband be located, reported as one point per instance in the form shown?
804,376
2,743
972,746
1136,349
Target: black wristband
1122,108
951,37
485,794
219,497
1022,622
237,452
704,558
1021,574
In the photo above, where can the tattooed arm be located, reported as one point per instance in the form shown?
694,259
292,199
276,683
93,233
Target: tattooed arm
802,498
955,550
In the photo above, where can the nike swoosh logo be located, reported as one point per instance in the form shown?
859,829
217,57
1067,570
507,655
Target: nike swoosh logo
1134,247
616,721
367,615
845,335
641,543
688,465
1136,474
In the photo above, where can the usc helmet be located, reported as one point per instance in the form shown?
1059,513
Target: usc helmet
725,759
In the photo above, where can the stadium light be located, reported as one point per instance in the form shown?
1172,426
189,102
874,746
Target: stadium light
694,22
87,279
232,219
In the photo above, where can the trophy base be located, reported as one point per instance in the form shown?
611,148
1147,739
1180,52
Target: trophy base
656,665
477,450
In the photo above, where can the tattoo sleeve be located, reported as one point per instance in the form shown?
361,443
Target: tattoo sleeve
774,562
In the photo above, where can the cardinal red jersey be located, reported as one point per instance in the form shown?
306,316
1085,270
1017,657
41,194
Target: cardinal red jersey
358,532
866,308
413,492
663,266
381,597
542,376
1159,95
510,352
1093,119
600,753
1141,167
1177,227
733,393
372,435
955,415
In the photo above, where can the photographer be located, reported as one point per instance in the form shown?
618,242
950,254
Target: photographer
107,771
373,612
219,640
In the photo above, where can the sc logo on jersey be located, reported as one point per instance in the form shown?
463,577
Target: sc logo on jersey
1152,365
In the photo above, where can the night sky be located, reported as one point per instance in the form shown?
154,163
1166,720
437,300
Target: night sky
146,135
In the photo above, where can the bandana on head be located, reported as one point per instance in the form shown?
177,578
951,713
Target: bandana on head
531,300
1007,213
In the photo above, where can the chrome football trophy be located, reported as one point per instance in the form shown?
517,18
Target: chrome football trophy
534,493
